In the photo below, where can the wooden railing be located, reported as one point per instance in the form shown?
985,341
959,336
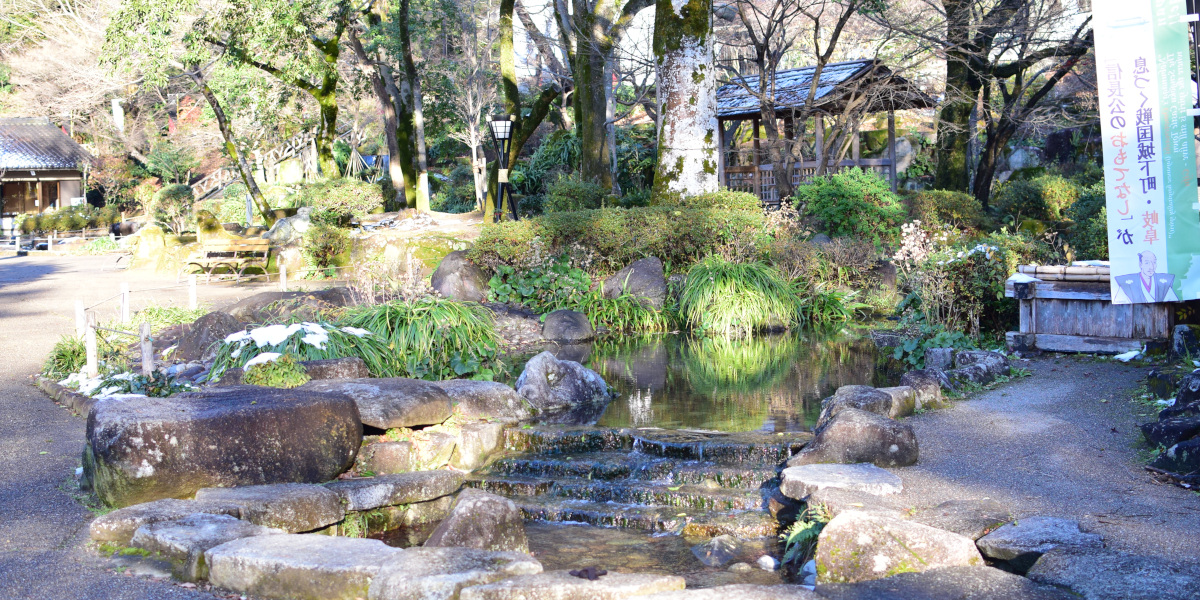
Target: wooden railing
760,180
296,146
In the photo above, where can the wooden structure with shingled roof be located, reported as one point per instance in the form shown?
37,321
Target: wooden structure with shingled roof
41,167
840,84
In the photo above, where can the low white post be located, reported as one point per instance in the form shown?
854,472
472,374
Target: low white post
124,302
80,318
282,277
193,300
18,242
93,357
147,350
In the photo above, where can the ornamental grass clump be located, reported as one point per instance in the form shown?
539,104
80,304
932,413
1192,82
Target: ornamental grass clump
737,299
305,341
433,338
624,314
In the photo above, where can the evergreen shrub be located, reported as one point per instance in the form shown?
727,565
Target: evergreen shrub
853,203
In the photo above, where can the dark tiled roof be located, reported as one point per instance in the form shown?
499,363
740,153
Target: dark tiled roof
38,144
792,86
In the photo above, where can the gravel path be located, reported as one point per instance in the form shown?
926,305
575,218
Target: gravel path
43,531
1060,443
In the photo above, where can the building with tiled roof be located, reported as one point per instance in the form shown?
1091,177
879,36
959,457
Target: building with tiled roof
41,167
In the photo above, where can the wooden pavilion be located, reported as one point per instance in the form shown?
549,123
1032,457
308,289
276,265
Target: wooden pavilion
841,85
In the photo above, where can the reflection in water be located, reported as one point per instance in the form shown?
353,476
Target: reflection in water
772,383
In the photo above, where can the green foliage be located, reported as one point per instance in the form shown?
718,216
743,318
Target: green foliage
853,203
1044,197
68,356
821,304
70,218
171,163
540,288
912,350
156,385
800,540
102,245
736,299
337,201
283,372
637,153
624,314
161,317
230,207
323,244
1089,235
937,207
309,341
172,206
723,199
457,198
433,338
617,236
558,153
569,194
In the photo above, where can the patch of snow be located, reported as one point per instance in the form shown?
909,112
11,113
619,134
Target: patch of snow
1168,402
1128,356
273,335
240,336
265,357
1022,278
359,332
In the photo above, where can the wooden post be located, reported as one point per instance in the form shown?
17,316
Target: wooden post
892,148
721,153
50,242
80,318
193,300
125,302
282,277
855,152
757,161
147,350
819,130
89,344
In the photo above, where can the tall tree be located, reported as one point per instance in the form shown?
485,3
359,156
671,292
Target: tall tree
472,75
687,99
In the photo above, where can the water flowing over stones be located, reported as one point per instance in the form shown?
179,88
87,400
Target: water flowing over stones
484,521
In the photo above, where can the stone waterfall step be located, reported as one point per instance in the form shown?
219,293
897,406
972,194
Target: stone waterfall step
755,447
611,466
625,492
746,524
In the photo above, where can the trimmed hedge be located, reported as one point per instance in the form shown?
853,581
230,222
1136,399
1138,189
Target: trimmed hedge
677,235
1044,198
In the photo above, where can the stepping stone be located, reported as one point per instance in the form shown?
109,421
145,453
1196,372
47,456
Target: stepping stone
972,518
1104,575
484,521
185,541
860,546
1023,541
143,449
800,481
119,525
421,573
838,500
292,507
860,397
309,566
560,585
483,400
904,400
390,490
391,402
946,583
856,436
740,592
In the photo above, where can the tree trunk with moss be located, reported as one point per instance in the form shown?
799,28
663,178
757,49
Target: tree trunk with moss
687,100
412,97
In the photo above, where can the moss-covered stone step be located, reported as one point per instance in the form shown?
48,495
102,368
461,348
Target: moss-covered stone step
656,519
755,447
624,492
628,465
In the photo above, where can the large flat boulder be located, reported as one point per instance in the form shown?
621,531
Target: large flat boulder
568,327
298,567
800,481
740,592
1169,432
390,490
861,397
185,541
561,585
1104,575
119,525
1183,458
861,546
552,385
978,367
486,400
278,306
391,402
643,279
484,521
970,518
292,507
946,583
442,573
856,436
1022,542
142,449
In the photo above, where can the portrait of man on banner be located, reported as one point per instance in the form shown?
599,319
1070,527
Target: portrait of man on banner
1147,285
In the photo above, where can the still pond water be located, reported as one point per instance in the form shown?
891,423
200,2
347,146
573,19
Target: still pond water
767,383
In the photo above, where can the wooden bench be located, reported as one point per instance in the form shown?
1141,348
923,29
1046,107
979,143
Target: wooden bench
235,255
